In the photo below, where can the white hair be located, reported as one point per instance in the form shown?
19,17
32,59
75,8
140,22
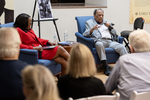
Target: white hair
9,42
140,41
40,79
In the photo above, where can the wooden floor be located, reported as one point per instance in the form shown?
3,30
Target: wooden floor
101,76
100,73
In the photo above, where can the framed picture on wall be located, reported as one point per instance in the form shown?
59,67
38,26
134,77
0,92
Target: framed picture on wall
44,8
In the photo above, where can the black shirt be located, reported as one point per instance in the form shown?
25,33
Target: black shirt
10,80
80,87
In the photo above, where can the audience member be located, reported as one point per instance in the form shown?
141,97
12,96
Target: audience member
104,36
10,66
31,41
80,81
132,71
39,84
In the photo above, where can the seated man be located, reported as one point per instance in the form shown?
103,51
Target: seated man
10,67
104,36
132,71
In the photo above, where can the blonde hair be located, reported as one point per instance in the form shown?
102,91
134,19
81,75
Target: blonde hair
9,42
140,41
81,62
41,80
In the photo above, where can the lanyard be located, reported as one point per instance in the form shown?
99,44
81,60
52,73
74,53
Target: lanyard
35,38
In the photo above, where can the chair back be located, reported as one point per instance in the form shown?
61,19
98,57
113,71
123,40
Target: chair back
140,96
7,25
101,97
139,23
81,22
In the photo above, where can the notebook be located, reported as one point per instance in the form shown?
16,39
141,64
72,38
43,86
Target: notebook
67,43
49,47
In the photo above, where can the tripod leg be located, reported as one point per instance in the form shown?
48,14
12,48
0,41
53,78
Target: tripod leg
33,13
56,30
127,45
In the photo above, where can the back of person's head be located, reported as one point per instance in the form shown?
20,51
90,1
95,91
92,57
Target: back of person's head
140,41
22,21
40,81
9,42
81,62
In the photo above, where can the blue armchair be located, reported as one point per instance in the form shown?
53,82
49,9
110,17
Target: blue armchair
31,57
111,54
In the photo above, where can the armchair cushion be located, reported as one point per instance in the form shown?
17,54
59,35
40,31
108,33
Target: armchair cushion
121,39
107,50
54,67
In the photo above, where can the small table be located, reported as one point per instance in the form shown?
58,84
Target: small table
69,46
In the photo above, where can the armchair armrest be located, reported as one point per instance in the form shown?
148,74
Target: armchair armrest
29,56
7,25
87,41
121,39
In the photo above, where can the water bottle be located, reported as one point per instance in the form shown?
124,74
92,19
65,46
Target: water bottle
55,39
65,36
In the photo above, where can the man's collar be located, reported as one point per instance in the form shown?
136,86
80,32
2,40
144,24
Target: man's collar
99,23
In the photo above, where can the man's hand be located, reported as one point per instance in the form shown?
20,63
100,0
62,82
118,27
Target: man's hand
94,28
51,43
39,48
107,24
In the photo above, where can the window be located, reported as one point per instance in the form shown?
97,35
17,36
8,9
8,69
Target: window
67,1
79,3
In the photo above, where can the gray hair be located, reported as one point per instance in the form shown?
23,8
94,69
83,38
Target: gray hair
9,42
94,13
140,41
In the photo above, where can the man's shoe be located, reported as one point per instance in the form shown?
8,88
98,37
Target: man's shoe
107,72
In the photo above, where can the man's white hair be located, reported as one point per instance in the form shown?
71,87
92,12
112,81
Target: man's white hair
140,41
9,42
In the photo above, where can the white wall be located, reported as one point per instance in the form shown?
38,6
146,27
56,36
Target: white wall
97,2
117,11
